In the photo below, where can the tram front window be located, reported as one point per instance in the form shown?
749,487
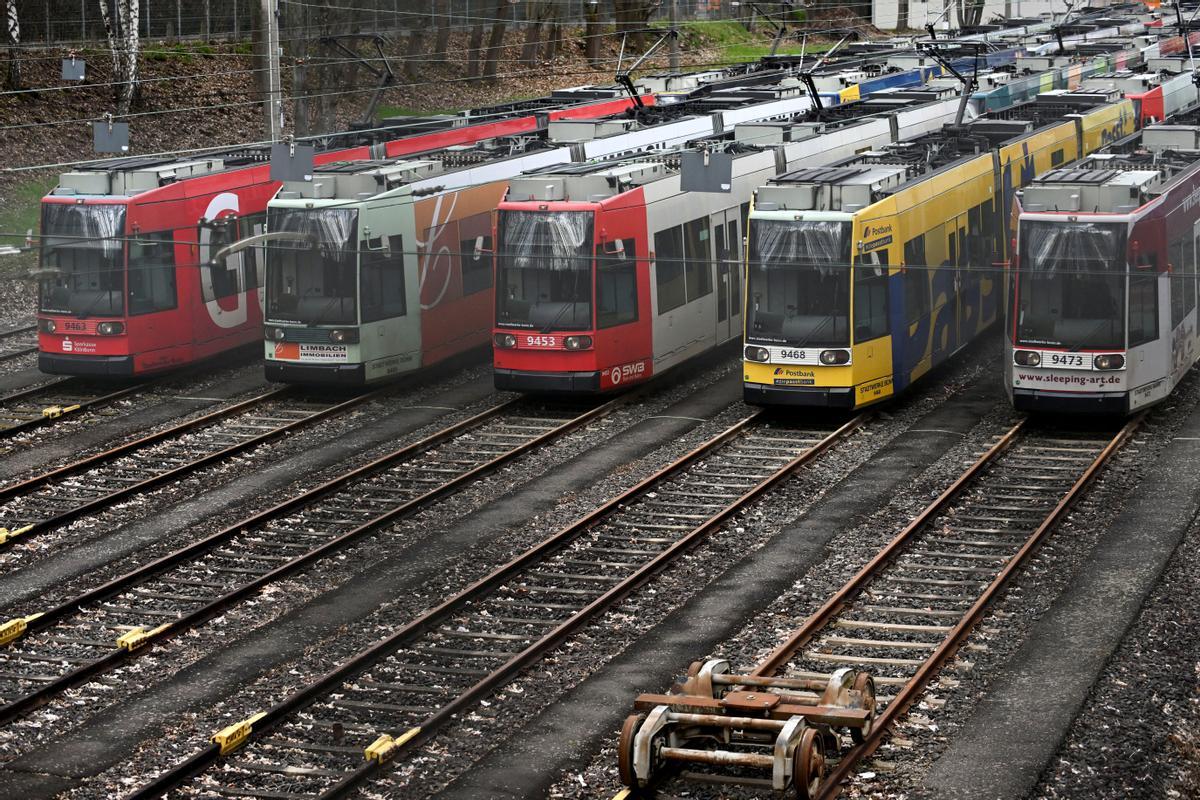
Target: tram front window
799,282
1071,283
313,284
82,255
545,270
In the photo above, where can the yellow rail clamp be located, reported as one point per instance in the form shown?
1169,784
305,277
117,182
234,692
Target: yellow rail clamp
53,412
382,748
139,637
621,795
235,735
6,534
15,628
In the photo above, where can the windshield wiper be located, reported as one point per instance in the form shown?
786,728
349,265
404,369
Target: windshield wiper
1084,340
574,294
819,329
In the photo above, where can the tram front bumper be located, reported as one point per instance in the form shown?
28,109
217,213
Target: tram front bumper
758,394
549,382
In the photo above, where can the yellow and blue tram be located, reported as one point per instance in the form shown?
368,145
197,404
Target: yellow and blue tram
864,275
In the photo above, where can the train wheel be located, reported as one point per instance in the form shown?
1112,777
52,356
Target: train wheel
808,765
625,750
864,683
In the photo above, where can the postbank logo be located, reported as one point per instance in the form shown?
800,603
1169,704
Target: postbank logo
876,236
790,376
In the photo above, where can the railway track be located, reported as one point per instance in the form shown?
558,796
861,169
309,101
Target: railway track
397,693
41,405
18,341
900,618
53,498
54,648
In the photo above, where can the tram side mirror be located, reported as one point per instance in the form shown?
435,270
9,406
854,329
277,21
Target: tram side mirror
616,248
480,248
1142,260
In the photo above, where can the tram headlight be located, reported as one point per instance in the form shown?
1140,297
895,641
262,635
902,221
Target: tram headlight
505,341
1027,358
277,334
344,336
47,326
832,358
110,328
1109,361
760,354
578,342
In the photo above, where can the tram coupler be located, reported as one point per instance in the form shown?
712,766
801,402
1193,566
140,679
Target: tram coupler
747,724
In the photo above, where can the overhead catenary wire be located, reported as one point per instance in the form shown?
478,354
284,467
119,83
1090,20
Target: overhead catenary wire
531,71
432,57
324,30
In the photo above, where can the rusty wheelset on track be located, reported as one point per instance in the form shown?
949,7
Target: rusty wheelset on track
752,723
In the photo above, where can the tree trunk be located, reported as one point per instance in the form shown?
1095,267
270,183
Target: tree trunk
121,27
13,81
553,32
533,33
495,41
473,48
133,40
442,44
416,45
591,33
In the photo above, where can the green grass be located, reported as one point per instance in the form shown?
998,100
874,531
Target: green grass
735,42
405,111
179,52
19,213
752,52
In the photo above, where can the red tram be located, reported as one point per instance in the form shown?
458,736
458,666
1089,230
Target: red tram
610,272
127,286
1103,297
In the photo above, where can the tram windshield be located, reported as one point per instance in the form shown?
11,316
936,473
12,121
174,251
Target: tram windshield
311,280
799,282
545,270
82,259
1071,285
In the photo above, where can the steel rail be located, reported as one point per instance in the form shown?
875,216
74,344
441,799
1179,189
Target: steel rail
24,351
20,351
831,784
101,501
64,610
51,414
406,741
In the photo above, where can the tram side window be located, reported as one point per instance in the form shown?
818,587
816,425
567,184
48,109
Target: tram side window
616,284
870,297
699,259
916,280
735,269
255,257
222,275
477,268
151,272
1189,276
1176,282
382,276
1143,306
668,269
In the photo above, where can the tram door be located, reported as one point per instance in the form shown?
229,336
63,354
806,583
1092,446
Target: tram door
727,251
960,259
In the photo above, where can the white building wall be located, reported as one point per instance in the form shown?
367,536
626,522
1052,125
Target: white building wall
884,12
